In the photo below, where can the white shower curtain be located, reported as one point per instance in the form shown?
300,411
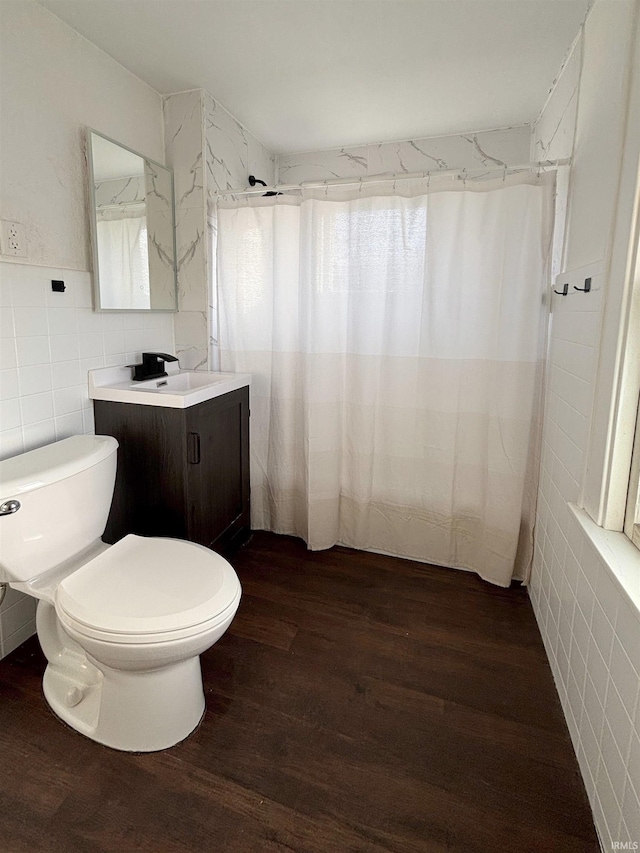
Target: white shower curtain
124,262
395,343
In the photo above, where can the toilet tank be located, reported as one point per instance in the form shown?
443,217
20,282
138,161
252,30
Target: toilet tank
64,491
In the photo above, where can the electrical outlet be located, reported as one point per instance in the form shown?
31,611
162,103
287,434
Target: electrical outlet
13,239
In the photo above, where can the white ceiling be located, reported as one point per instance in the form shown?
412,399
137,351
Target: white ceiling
309,74
112,161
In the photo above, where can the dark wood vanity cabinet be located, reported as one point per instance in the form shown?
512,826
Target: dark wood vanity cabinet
182,473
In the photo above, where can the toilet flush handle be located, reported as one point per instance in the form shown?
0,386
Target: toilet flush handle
9,507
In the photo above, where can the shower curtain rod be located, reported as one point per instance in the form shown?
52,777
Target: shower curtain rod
403,176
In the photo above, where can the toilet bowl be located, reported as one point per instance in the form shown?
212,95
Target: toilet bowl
121,626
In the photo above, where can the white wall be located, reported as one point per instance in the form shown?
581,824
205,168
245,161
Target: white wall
590,626
53,83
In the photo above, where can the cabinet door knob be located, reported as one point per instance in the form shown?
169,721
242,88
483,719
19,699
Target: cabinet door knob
193,448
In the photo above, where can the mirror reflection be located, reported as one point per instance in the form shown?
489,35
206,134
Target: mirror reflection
133,229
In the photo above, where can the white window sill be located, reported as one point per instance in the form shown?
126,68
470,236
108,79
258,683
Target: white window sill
617,552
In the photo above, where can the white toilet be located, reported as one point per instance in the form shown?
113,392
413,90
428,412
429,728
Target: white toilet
122,626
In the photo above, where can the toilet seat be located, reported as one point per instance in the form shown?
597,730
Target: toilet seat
148,590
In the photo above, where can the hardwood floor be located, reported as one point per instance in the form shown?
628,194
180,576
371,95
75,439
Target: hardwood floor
357,703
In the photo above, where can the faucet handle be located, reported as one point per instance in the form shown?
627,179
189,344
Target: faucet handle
159,355
153,366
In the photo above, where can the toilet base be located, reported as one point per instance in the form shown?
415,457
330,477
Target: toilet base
135,710
130,711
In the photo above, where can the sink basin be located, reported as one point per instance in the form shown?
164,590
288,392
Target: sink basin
181,383
176,391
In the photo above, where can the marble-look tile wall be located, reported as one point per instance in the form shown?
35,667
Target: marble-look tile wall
184,143
160,237
209,152
509,146
553,137
554,130
120,191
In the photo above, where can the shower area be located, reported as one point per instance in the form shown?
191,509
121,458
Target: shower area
395,333
394,321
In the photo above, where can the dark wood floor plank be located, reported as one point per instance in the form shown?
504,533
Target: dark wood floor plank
433,746
358,703
253,623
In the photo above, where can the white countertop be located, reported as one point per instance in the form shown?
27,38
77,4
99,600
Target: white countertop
178,390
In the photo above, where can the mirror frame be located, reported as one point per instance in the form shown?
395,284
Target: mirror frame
94,232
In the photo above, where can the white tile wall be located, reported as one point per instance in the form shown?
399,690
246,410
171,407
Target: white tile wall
590,628
48,343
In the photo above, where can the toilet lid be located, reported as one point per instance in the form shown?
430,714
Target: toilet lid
148,586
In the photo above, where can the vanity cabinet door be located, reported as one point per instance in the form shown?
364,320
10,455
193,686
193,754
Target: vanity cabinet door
217,488
149,497
182,473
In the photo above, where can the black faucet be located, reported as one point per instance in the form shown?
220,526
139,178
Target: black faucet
152,366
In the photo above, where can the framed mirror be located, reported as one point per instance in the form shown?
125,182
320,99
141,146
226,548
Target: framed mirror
132,229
